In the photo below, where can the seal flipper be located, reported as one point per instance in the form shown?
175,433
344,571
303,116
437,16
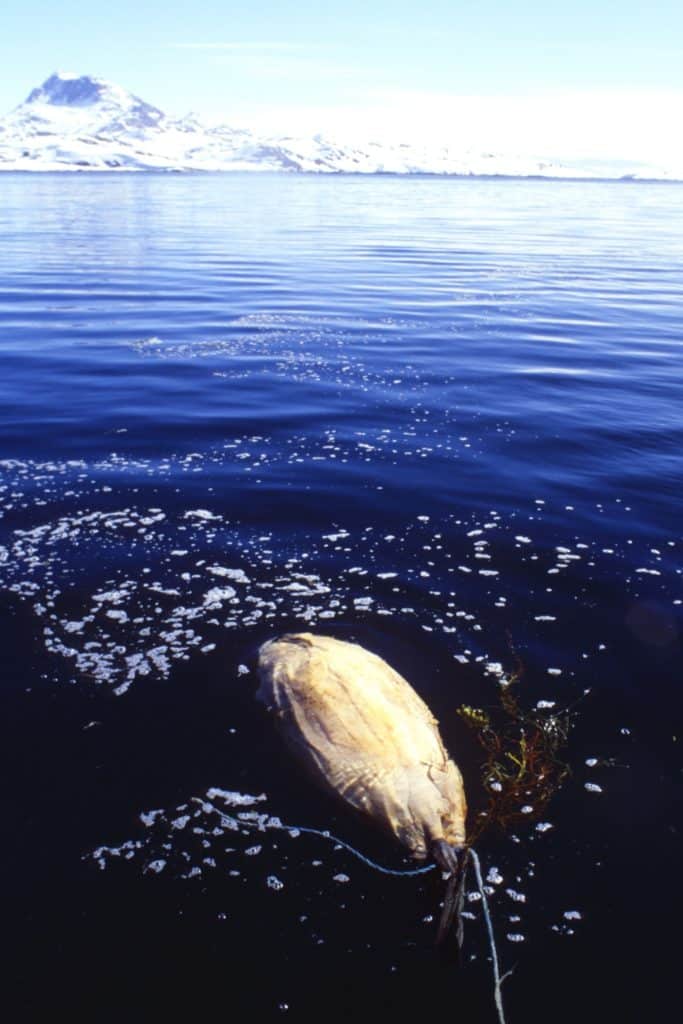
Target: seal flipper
446,857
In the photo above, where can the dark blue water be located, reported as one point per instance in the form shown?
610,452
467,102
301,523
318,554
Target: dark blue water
442,418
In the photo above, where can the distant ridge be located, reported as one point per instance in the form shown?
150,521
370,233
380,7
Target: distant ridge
84,123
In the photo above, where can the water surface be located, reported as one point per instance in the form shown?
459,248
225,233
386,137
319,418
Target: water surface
439,417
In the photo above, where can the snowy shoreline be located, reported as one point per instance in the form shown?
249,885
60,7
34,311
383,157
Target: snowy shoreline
86,124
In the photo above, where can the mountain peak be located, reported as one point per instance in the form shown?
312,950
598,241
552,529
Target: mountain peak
87,96
65,89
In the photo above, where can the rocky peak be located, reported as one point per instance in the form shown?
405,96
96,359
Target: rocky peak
63,89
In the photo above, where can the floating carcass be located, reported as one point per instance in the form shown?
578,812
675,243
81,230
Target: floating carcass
365,734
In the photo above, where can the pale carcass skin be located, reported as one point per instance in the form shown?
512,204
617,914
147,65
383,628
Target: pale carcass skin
363,731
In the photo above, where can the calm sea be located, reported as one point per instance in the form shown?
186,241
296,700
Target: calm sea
443,418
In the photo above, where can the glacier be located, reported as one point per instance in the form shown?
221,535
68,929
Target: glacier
84,123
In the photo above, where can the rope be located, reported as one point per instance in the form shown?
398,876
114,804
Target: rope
259,827
498,979
405,873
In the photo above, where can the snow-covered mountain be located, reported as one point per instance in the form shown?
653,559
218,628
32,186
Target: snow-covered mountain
74,122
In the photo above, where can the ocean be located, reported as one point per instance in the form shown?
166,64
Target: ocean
442,418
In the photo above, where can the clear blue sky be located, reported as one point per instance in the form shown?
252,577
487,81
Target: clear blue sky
235,59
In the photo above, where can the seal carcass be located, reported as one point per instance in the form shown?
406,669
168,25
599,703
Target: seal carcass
365,734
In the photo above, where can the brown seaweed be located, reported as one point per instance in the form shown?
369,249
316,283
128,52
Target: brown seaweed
523,768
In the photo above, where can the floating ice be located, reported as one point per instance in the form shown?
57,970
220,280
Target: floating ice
236,575
156,866
234,799
214,598
203,514
149,817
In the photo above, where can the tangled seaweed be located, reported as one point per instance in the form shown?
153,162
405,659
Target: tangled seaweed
523,767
